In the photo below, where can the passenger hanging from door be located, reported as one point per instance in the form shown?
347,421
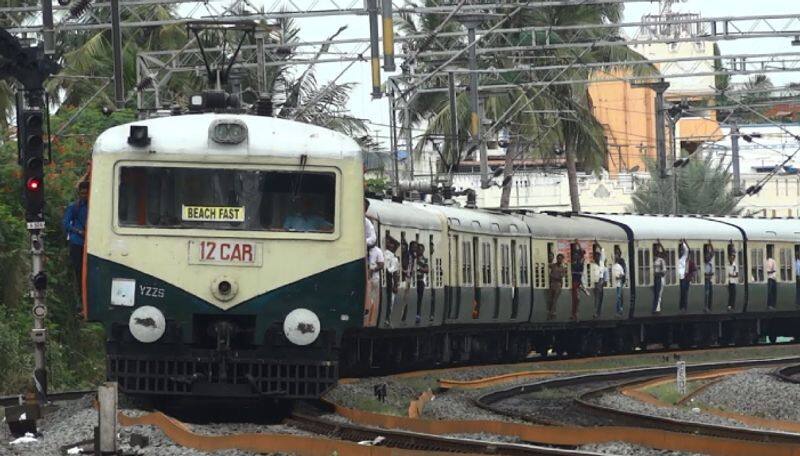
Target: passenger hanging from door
708,275
732,273
556,273
392,277
577,264
619,275
685,273
659,271
375,263
421,278
772,278
797,276
598,275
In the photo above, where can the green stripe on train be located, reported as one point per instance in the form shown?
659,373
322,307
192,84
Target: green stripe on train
331,294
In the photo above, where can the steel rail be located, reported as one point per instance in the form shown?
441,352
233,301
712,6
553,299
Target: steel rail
419,441
7,401
788,374
490,401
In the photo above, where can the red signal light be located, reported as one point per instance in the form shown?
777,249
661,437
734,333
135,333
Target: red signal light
33,184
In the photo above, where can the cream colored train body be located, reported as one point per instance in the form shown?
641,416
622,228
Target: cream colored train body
225,254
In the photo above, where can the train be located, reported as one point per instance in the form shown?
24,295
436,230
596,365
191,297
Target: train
226,257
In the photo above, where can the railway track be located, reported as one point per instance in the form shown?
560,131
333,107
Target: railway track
789,374
7,401
420,441
583,402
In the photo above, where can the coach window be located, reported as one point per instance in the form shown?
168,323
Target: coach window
643,266
466,263
757,264
697,259
670,278
720,262
486,263
226,199
505,265
523,265
785,266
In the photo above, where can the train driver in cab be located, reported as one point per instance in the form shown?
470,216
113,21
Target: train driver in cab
306,216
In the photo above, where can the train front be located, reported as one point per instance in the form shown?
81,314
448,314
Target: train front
225,255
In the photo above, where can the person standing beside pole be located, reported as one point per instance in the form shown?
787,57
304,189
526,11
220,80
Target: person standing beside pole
74,224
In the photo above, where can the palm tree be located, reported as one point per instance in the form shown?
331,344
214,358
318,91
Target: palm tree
579,132
704,187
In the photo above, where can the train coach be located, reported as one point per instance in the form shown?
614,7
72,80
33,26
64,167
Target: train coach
225,257
503,260
221,257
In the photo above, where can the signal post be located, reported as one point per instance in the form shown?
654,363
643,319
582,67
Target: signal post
30,67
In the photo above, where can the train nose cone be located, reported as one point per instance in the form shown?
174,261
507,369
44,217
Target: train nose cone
301,327
147,324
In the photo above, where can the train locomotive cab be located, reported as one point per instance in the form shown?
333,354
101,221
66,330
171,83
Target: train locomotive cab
225,255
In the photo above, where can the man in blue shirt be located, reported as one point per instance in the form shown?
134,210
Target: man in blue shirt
74,224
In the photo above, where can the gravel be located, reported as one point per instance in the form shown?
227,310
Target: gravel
754,392
622,402
74,421
626,449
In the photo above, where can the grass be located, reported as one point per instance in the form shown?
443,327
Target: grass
668,392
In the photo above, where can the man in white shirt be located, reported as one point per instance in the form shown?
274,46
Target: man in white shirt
732,273
375,263
683,274
659,271
772,279
618,275
392,277
369,228
797,277
598,267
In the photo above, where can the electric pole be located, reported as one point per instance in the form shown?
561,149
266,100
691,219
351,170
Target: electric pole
737,182
659,88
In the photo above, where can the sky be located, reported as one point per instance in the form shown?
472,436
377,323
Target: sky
376,111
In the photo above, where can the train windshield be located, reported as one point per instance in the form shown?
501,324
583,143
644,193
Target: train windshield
226,199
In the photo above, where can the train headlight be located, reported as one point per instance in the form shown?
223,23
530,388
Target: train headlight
301,327
228,131
147,324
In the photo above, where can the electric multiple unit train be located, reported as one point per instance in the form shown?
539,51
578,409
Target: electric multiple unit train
225,257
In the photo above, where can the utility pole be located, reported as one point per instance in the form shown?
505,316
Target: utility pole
47,27
737,182
116,42
372,10
454,146
409,140
673,122
661,150
393,139
471,21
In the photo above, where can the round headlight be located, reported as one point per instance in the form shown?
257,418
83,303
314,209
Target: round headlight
301,327
147,324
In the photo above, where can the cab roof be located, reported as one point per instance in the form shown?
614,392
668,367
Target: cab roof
267,136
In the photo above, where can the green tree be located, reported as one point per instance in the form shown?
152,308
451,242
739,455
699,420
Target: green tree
576,129
704,187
